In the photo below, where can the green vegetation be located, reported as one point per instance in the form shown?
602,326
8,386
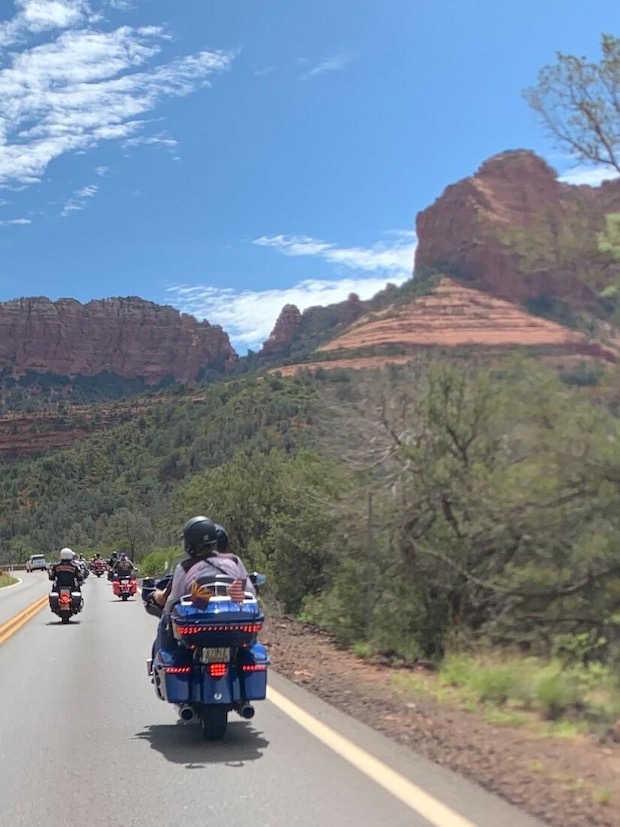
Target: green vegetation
524,692
6,580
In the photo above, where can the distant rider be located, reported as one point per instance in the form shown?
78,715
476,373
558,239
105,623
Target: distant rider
65,574
123,566
202,541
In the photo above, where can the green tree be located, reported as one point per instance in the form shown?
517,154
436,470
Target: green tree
579,103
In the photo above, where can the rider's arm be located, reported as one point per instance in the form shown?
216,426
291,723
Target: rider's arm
176,589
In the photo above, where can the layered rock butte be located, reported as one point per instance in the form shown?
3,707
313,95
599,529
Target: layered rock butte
451,316
129,337
506,236
471,230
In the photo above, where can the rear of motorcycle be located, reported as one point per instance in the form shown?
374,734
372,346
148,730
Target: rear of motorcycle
218,666
65,603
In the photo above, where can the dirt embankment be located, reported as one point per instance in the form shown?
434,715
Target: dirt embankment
568,783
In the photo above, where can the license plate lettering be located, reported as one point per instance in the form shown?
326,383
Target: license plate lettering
215,656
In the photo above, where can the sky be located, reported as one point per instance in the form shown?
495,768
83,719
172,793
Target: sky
227,157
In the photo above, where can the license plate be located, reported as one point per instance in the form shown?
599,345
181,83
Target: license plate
215,656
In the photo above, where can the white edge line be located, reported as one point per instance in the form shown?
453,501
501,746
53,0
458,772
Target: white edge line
12,586
414,797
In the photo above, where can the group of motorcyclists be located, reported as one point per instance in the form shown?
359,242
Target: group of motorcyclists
72,569
206,546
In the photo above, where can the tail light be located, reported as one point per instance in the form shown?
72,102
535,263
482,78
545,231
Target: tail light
178,670
218,670
254,667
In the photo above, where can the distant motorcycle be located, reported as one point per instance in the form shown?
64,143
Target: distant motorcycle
125,587
65,603
99,567
212,662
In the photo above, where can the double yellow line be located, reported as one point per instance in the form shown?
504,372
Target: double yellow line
13,625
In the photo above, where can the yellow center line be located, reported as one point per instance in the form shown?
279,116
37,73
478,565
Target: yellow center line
414,797
13,625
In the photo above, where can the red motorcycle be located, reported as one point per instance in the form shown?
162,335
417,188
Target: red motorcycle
125,587
99,567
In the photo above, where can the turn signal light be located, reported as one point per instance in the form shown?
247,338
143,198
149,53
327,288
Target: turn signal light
218,670
178,670
251,628
254,667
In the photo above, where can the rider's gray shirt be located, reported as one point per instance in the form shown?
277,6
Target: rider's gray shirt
224,564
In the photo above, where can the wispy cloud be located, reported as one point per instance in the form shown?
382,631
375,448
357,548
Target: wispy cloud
266,70
248,316
593,176
102,171
335,63
79,199
391,258
15,222
151,140
83,85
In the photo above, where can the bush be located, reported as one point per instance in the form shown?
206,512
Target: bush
158,562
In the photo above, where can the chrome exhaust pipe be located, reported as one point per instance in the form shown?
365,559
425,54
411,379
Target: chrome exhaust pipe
187,713
246,712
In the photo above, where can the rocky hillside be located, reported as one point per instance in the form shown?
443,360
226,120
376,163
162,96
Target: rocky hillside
126,337
514,230
451,316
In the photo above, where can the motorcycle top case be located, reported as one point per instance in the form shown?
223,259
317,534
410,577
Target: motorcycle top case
221,622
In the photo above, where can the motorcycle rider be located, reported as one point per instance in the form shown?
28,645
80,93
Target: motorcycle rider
206,545
113,560
123,566
65,574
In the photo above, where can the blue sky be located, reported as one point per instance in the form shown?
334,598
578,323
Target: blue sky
229,156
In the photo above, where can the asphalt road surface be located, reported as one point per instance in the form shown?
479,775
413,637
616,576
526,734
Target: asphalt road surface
84,742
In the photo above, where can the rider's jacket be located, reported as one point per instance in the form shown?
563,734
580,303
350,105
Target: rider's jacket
66,575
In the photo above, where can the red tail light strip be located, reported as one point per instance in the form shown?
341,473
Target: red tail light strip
254,667
250,628
178,670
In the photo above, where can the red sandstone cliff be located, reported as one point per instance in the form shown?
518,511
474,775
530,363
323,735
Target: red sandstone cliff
515,230
126,336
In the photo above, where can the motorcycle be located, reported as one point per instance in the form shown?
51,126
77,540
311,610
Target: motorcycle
124,587
65,603
99,567
211,662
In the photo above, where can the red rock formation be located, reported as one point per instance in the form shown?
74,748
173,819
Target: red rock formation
126,336
454,315
283,333
472,231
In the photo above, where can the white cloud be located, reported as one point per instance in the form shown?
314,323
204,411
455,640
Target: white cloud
335,63
102,171
83,85
79,199
151,140
248,316
593,176
16,221
393,258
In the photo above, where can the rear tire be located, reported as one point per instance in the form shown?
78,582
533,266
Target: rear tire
213,721
124,597
65,618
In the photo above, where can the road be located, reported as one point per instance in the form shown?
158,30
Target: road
16,598
84,741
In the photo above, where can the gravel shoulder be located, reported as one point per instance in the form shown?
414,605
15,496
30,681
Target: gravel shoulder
567,782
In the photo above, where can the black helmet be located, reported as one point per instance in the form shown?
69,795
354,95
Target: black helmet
199,536
222,538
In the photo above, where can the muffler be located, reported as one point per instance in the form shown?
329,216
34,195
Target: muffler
246,711
187,713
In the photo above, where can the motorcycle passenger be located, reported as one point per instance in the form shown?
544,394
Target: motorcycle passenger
65,574
202,541
113,560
